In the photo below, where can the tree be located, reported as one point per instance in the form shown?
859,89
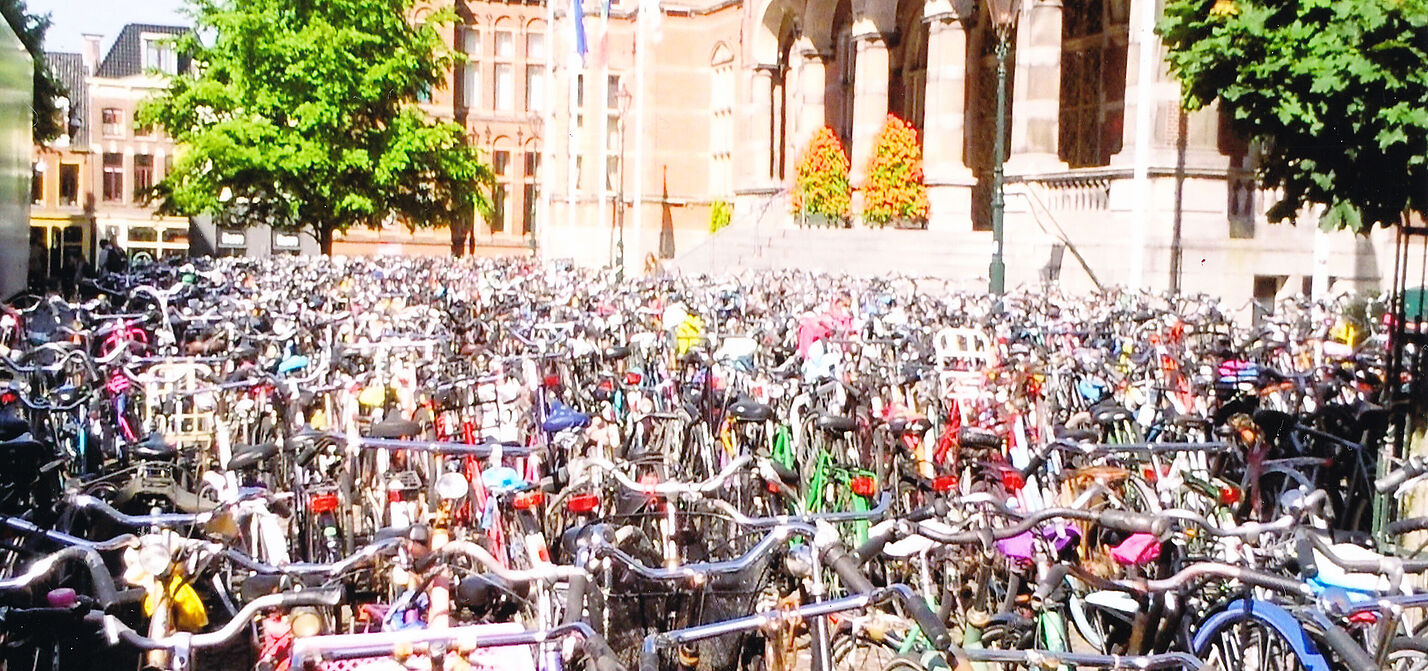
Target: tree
1332,92
302,115
45,118
894,189
821,186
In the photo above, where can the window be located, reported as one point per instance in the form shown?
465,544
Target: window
37,184
501,162
142,129
159,55
535,88
113,177
498,208
528,214
721,127
532,163
505,87
505,45
469,93
535,46
579,101
168,164
112,119
69,184
1094,36
143,176
613,130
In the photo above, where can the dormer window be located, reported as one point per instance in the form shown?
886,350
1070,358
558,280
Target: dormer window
159,54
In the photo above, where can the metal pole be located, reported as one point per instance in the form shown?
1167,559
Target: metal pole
997,273
620,198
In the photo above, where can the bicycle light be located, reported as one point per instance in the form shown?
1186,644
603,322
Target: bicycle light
944,483
154,555
527,500
863,486
582,504
305,622
452,486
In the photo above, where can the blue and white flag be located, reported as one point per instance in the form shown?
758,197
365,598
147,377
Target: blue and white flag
577,14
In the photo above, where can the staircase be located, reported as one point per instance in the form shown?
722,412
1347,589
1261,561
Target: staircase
960,257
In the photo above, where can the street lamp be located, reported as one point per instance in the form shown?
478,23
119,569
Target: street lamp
624,99
1004,15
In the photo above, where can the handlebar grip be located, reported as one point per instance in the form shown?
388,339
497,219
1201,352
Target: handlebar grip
600,653
1133,522
847,569
1304,551
937,508
873,546
931,625
575,602
1406,526
1390,482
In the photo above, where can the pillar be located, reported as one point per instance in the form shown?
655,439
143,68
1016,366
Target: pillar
870,105
949,180
759,128
1036,90
812,86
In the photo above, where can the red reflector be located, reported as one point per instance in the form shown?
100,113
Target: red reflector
1013,481
1230,495
323,503
1149,472
9,397
582,503
394,496
1365,617
944,483
772,486
633,379
544,555
863,485
607,385
528,500
552,380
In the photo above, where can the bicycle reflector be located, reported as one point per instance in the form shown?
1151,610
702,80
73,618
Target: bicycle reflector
944,483
1012,480
324,502
1230,495
527,500
863,486
633,379
551,381
581,504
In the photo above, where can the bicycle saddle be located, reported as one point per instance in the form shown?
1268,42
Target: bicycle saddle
249,456
616,353
971,436
154,448
916,426
747,410
1110,414
563,417
1076,435
394,428
12,428
836,423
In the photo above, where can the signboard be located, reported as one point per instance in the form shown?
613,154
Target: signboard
232,238
286,241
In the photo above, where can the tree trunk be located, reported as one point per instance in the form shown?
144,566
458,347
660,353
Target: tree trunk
459,231
324,239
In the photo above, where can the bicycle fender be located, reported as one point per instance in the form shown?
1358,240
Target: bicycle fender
1280,619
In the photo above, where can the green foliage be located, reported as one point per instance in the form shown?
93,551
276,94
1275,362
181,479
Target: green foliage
47,122
720,214
301,115
1334,91
822,186
894,189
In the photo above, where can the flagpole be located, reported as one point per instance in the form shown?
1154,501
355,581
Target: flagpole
636,246
604,70
576,64
547,161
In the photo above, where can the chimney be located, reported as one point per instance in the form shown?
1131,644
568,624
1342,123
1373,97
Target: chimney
91,52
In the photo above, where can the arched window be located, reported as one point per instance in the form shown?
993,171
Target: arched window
503,68
501,193
468,80
535,66
723,94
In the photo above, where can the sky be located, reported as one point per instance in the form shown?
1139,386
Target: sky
72,18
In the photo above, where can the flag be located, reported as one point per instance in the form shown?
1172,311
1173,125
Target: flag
577,13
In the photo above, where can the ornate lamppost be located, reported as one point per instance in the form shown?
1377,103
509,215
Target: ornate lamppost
1004,15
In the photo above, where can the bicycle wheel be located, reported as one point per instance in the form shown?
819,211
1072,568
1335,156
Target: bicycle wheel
1244,641
1407,654
856,653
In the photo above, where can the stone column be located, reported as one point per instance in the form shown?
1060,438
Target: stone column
758,127
870,105
1036,92
949,180
812,87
